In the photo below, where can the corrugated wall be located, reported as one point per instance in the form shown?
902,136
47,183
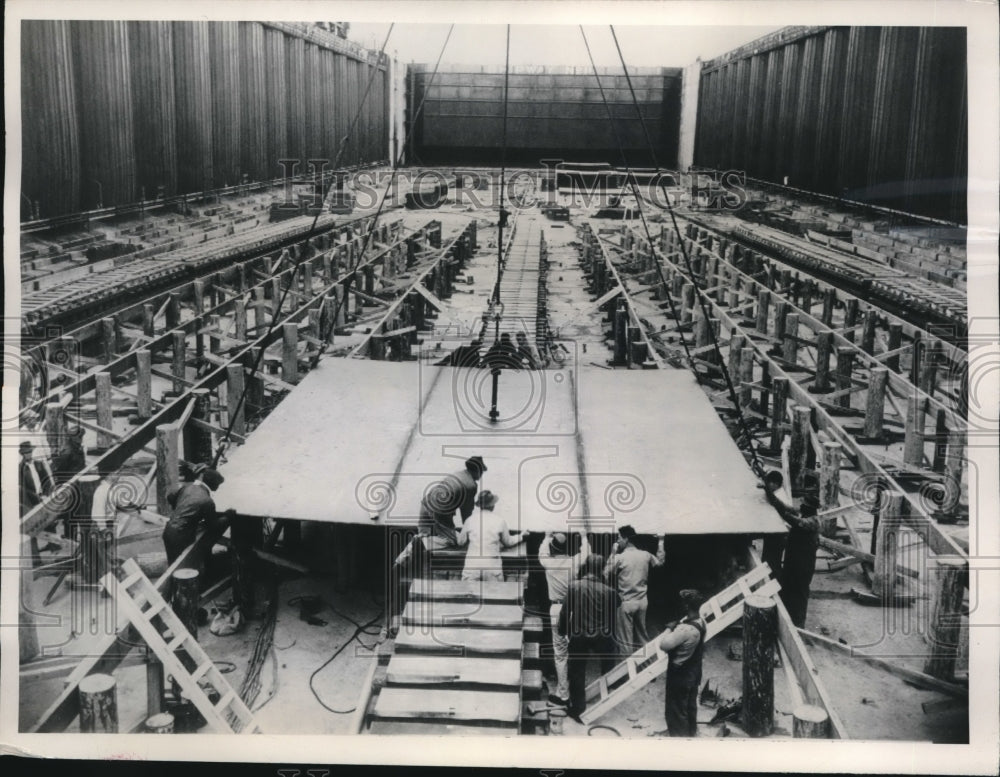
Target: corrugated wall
151,58
876,114
112,111
50,159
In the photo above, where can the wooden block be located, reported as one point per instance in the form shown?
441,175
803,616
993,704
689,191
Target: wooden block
445,613
445,670
489,707
449,640
464,591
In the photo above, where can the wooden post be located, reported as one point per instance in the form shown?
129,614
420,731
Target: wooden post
167,439
102,391
829,484
154,684
780,318
255,385
765,392
887,545
702,331
763,303
760,628
868,334
55,425
246,535
810,722
746,376
736,343
235,405
875,402
940,440
945,626
913,444
778,422
161,723
184,598
829,297
144,383
179,340
620,334
307,279
895,341
109,338
850,317
198,295
275,294
806,302
240,319
790,346
290,352
821,380
148,319
172,315
928,370
197,439
341,306
845,365
687,308
798,452
98,704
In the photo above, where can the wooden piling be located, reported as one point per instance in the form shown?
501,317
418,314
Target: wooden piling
98,704
102,391
736,343
829,483
687,290
765,392
845,366
780,319
240,319
148,319
55,425
185,598
778,422
945,626
810,722
875,401
760,628
620,334
746,376
868,333
821,379
913,443
829,297
702,331
144,383
928,370
154,684
172,315
290,352
850,317
167,447
763,303
790,345
895,341
179,347
198,295
109,339
887,545
236,408
798,451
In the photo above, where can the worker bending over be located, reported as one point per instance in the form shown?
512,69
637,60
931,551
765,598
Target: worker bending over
191,505
485,534
628,569
560,569
683,643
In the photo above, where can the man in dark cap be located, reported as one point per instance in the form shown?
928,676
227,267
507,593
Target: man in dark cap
800,559
191,505
587,621
34,479
68,461
438,525
683,643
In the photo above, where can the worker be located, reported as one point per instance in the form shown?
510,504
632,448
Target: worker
560,569
191,504
438,526
35,481
70,458
774,544
587,620
799,564
502,354
628,570
485,534
526,356
683,643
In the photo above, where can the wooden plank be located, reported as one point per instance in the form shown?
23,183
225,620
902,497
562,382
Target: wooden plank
485,706
463,591
413,728
919,679
449,640
432,670
444,613
850,550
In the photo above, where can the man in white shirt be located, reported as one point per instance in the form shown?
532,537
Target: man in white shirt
485,534
628,569
560,570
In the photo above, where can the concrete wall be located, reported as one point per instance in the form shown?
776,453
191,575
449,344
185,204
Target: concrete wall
690,81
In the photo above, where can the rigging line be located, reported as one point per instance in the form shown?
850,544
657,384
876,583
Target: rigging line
503,174
358,264
631,178
298,260
756,464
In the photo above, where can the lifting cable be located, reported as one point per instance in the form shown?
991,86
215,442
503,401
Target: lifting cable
755,463
347,281
503,175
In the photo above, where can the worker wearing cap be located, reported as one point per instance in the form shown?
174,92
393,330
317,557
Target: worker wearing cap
560,569
587,620
799,564
191,505
35,481
628,568
485,534
683,643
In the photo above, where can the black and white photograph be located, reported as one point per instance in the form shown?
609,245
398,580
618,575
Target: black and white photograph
484,372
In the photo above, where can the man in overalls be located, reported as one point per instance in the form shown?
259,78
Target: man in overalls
684,644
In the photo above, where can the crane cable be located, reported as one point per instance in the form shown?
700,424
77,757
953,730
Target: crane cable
755,463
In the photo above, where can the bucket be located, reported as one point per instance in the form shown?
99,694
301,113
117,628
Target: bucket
556,720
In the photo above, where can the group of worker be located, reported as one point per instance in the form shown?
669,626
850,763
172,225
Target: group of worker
597,605
40,475
503,354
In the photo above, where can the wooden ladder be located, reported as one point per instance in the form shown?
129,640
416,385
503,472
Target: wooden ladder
649,662
138,599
